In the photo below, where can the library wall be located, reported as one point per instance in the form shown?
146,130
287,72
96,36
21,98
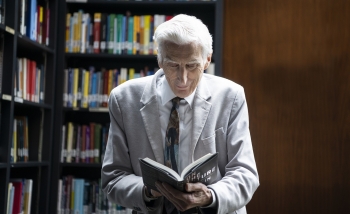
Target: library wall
292,57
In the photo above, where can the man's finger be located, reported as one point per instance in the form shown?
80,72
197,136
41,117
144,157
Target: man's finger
194,187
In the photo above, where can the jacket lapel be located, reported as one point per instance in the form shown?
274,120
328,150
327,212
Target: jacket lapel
150,115
201,109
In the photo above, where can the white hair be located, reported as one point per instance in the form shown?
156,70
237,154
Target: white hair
183,29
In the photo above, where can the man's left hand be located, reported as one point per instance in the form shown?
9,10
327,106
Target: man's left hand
197,195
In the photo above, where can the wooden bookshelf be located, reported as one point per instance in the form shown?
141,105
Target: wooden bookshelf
40,115
210,12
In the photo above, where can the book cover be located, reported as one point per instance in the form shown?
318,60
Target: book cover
63,147
9,188
111,37
17,200
97,27
59,196
86,89
202,170
28,195
97,143
46,25
103,33
68,41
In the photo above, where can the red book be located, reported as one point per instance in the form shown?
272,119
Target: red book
97,26
33,81
17,199
105,88
167,18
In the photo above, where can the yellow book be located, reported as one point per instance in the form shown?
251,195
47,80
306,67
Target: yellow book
142,33
75,86
131,73
68,32
110,81
146,35
72,197
69,142
28,196
135,32
40,36
86,89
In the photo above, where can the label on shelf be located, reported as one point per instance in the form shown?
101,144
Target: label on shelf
10,30
18,100
6,97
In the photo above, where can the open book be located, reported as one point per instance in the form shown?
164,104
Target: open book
203,170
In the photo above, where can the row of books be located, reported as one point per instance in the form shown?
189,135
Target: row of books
90,88
112,33
20,140
29,80
78,196
19,196
83,143
34,20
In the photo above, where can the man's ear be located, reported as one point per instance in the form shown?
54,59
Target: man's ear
207,63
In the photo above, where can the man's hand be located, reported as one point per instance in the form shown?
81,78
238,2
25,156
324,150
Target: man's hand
154,194
197,195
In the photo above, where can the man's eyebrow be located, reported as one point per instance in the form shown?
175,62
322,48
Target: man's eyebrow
194,61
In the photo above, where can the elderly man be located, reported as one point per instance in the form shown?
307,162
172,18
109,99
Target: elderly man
175,117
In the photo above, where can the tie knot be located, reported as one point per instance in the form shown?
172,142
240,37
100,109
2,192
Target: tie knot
176,101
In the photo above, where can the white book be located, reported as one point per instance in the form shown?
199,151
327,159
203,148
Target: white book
59,196
8,198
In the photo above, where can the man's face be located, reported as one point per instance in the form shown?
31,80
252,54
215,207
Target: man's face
183,67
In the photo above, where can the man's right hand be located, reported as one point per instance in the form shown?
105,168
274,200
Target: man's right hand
154,194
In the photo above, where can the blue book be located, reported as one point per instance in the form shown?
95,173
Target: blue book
78,196
94,90
70,88
130,33
31,24
71,35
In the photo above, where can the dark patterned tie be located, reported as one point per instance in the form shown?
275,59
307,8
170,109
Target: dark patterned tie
172,137
172,150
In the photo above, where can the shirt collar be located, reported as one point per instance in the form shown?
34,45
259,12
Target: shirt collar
167,94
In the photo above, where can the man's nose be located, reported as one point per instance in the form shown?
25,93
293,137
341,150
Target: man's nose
183,75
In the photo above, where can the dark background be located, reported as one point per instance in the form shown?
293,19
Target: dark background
292,57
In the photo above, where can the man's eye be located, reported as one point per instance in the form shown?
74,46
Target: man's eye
191,66
173,65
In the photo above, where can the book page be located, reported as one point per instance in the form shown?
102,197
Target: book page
195,163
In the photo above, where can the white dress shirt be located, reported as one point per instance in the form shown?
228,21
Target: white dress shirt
165,95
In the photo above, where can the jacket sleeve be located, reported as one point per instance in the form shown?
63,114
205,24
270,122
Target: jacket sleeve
241,179
119,182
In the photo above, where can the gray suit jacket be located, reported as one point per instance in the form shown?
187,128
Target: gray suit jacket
220,124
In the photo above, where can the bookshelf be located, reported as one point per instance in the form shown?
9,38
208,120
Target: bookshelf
210,12
38,112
